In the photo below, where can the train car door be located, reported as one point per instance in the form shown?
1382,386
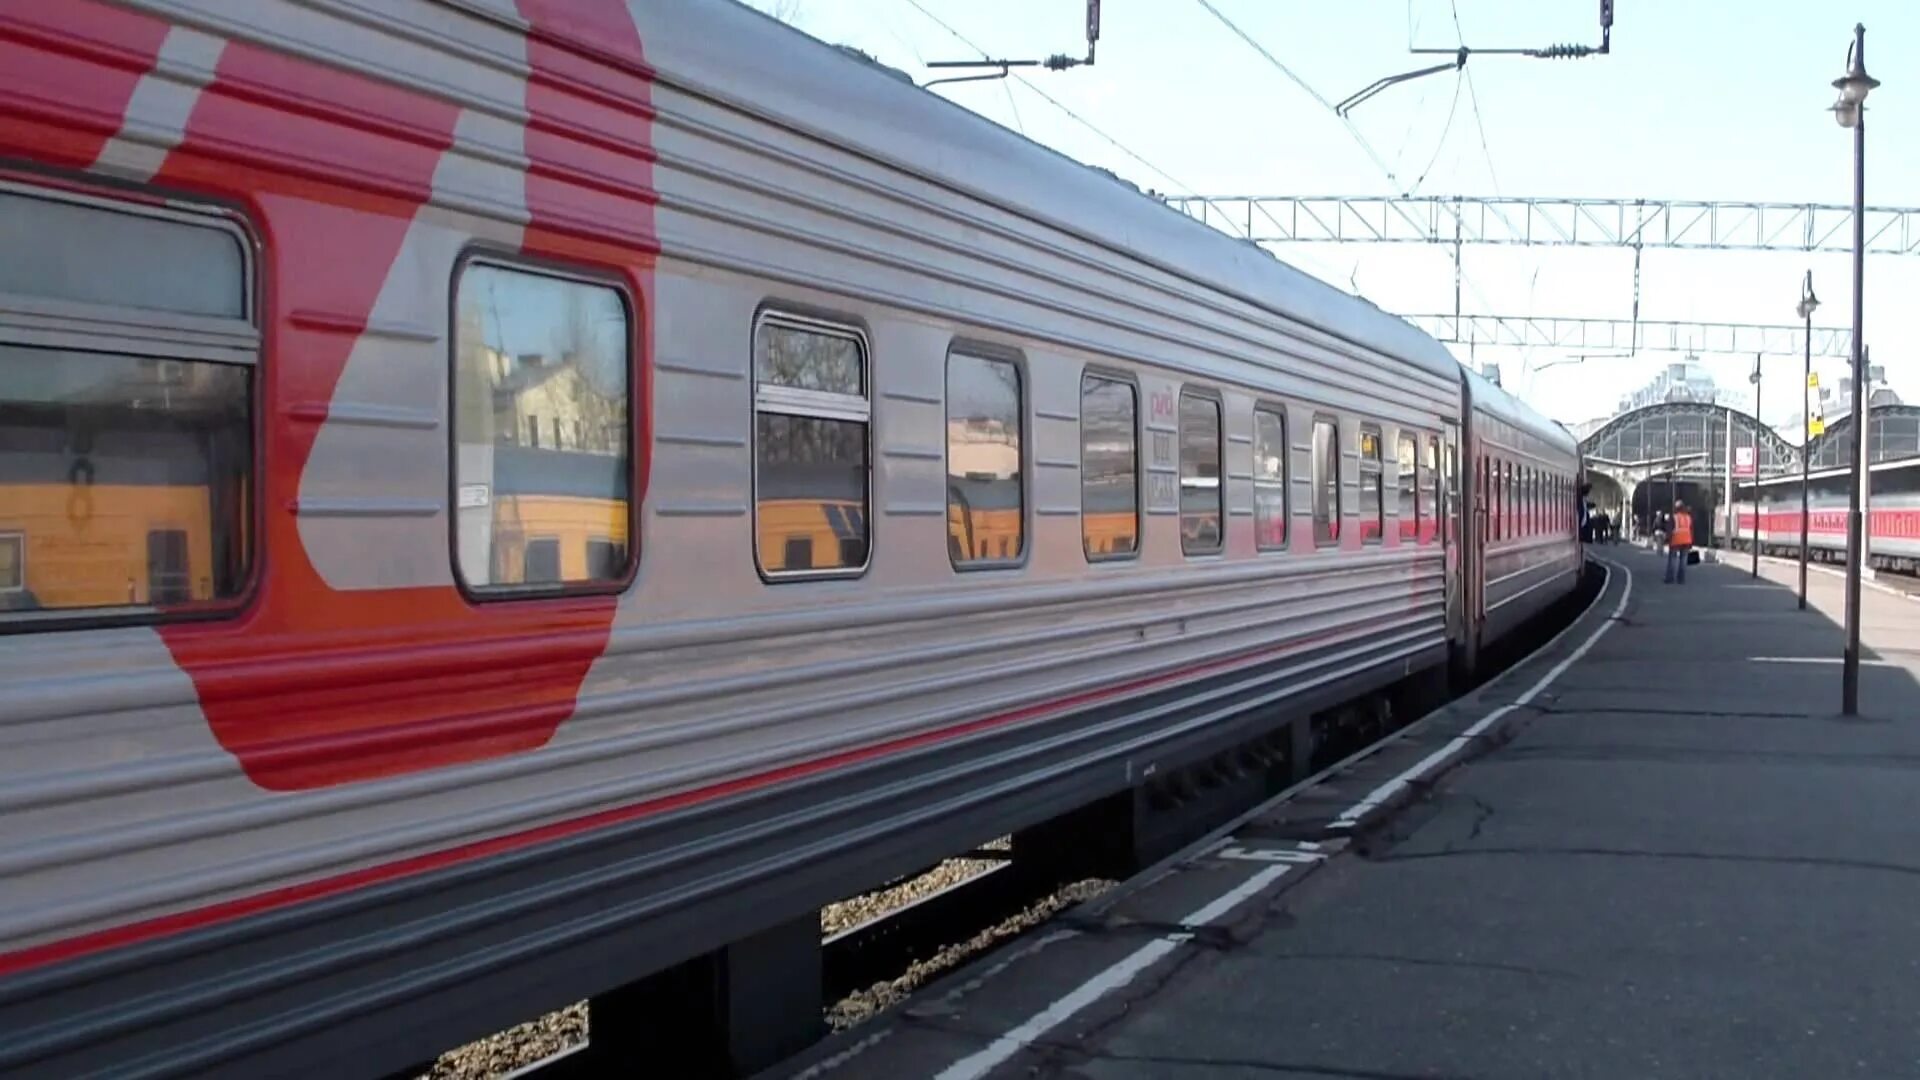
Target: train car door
1470,517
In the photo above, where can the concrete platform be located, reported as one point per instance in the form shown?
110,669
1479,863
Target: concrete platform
1653,850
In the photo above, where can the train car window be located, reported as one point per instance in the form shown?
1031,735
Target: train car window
128,351
1408,485
1269,479
1507,530
1490,475
1504,470
532,346
1109,468
1519,500
811,428
1326,481
1451,499
986,509
1373,520
1202,513
1432,498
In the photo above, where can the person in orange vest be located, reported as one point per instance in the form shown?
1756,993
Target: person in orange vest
1679,544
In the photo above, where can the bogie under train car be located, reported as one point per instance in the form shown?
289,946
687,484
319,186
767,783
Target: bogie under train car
501,496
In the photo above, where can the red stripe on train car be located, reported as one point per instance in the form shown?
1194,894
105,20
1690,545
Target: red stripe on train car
67,74
315,686
274,899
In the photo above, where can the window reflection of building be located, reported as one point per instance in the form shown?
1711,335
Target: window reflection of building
125,458
1109,468
811,414
541,429
986,517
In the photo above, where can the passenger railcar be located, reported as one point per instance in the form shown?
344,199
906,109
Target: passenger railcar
1893,525
500,496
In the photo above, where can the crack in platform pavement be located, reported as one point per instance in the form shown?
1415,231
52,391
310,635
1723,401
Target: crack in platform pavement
1684,856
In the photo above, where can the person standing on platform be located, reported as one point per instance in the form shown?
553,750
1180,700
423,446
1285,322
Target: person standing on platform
1679,544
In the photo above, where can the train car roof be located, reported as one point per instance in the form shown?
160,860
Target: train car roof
725,49
1490,398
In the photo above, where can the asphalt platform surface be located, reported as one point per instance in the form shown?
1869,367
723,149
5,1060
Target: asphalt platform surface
1653,850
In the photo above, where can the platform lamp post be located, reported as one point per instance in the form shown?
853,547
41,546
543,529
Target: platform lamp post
1757,425
1851,112
1808,303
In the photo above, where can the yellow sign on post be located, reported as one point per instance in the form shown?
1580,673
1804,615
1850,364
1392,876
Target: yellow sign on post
1816,427
1813,380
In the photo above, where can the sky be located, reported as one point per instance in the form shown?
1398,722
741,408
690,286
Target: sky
1699,99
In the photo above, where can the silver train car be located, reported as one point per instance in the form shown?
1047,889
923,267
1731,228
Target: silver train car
499,497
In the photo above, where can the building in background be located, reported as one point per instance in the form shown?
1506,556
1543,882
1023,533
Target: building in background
1683,380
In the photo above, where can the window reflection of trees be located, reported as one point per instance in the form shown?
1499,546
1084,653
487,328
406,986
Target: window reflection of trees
811,463
541,425
805,360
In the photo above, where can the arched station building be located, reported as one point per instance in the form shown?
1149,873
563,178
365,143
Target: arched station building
1648,456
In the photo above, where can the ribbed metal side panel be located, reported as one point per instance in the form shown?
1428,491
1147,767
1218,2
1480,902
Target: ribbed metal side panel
377,979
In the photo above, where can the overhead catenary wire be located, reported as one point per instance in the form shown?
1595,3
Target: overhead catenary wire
1352,129
1445,130
1473,100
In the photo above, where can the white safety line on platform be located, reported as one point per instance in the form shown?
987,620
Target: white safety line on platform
997,1052
1122,972
1351,815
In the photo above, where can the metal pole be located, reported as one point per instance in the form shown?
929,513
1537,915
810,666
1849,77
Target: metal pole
1806,440
1850,661
1757,423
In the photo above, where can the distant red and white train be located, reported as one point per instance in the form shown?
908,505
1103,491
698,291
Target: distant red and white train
1893,521
501,496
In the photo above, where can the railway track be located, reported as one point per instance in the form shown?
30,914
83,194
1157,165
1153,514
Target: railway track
879,946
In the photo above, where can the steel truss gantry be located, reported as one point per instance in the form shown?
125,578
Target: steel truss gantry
1513,221
1629,336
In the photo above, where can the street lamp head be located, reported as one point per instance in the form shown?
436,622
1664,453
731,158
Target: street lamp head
1856,83
1846,114
1808,305
1854,86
